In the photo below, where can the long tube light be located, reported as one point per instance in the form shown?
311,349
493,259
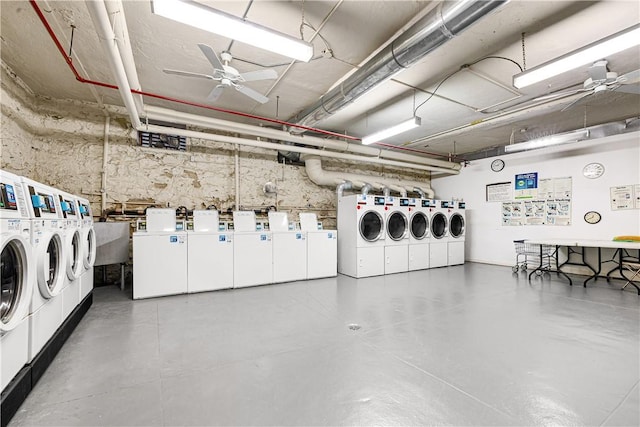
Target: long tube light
547,141
413,122
224,24
595,51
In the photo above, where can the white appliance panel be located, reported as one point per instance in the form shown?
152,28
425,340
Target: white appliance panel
159,264
289,256
252,259
438,254
210,262
322,254
396,259
418,257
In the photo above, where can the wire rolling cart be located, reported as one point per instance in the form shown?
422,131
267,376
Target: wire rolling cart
529,254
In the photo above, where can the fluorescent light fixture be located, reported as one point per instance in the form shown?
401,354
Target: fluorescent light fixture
224,24
413,122
547,141
593,52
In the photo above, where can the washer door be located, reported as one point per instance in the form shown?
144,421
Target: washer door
74,260
89,248
397,226
51,263
419,225
371,226
439,225
16,267
456,226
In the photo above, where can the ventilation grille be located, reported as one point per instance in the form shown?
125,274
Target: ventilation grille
160,140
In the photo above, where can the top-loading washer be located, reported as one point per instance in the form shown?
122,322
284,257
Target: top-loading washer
71,225
252,252
210,253
88,247
361,220
396,246
289,249
47,238
419,226
457,228
17,277
322,247
439,239
160,255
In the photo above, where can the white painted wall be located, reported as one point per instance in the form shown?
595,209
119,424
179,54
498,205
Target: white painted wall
488,241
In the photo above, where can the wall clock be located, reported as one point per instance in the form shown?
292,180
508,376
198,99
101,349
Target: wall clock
593,170
497,165
592,217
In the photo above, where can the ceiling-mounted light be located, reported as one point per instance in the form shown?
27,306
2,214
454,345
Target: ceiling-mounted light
224,24
413,122
593,52
547,141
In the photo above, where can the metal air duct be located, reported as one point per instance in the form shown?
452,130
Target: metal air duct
442,23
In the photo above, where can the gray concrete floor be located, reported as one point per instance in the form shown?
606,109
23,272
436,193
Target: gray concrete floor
466,345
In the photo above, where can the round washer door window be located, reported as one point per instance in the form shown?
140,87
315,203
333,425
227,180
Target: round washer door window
74,261
456,227
439,225
16,265
397,225
419,225
371,226
89,248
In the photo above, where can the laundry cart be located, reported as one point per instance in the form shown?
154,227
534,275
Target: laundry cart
530,254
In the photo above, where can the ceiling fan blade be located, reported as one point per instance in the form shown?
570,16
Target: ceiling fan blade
215,93
252,94
627,88
630,78
211,56
555,95
188,74
252,76
577,100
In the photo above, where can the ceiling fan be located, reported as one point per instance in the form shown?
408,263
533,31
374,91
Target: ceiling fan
228,76
601,79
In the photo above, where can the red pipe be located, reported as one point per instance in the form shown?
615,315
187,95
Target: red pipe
81,79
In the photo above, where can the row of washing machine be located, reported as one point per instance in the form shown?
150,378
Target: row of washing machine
48,250
384,235
172,256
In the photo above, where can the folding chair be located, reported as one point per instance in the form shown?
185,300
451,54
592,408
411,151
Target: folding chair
634,267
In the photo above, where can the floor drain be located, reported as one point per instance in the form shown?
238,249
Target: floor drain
354,326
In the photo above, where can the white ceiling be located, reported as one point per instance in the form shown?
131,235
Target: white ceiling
451,122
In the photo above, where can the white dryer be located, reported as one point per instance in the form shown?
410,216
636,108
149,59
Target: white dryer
160,256
289,249
88,247
71,224
48,241
457,228
396,246
362,235
252,252
419,225
322,247
439,239
210,254
17,277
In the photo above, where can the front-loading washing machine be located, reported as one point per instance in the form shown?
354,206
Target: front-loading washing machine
160,255
457,222
252,252
17,277
322,247
210,254
396,246
48,241
289,249
71,225
361,220
88,247
419,225
439,239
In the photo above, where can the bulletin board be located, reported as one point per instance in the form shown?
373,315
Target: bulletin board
625,197
539,201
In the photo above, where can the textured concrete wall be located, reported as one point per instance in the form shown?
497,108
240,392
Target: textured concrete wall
61,142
